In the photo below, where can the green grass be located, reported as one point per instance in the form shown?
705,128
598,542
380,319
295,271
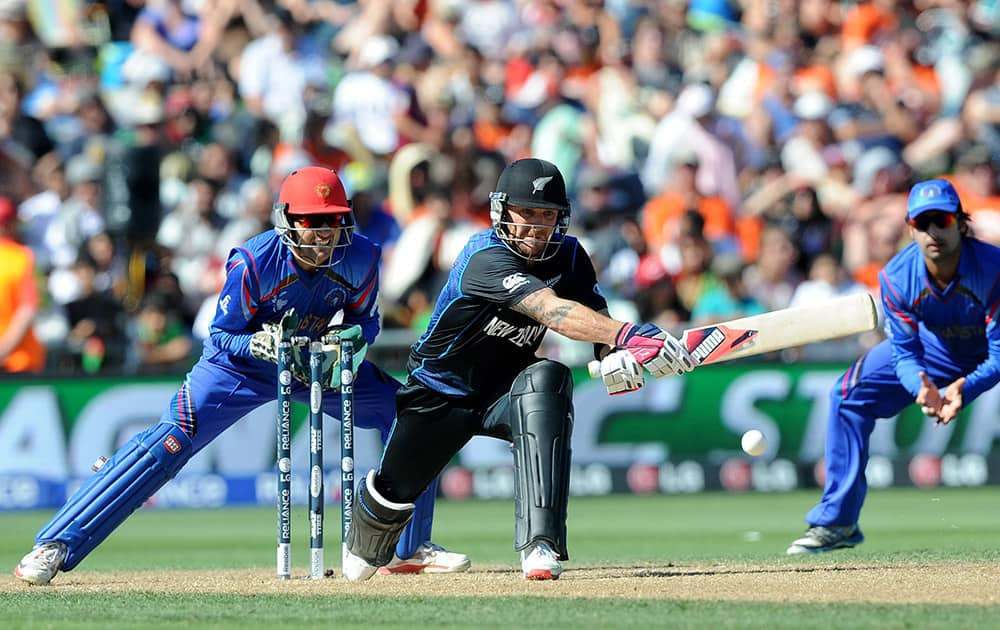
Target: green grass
902,526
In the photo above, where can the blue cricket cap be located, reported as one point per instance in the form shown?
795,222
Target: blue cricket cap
933,194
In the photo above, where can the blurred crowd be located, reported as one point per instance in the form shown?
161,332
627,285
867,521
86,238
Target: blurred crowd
724,157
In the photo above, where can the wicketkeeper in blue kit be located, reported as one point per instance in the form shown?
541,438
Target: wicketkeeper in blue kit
941,295
291,280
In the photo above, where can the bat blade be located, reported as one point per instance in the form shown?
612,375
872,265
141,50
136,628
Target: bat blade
785,328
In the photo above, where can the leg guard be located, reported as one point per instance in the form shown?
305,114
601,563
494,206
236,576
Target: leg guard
134,474
541,422
378,522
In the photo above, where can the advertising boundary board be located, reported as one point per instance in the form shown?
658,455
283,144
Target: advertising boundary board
675,435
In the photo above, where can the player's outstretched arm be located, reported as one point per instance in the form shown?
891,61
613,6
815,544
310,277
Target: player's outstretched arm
569,318
656,350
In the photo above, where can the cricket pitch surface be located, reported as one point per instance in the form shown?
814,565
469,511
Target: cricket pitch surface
806,582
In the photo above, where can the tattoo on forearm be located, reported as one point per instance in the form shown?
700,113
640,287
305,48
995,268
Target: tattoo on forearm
534,307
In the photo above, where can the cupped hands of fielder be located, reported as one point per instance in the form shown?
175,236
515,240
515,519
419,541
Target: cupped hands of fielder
658,351
942,407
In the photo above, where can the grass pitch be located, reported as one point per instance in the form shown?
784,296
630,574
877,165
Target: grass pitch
932,560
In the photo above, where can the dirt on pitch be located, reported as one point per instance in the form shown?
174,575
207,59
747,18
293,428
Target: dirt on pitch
804,583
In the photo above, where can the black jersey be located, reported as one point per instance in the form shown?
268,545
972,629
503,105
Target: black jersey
475,343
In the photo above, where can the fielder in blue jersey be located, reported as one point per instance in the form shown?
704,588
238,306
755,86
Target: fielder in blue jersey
312,266
940,295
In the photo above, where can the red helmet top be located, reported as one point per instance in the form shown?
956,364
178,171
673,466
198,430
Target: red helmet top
313,190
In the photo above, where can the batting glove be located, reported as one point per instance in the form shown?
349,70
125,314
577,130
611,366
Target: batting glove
656,350
621,373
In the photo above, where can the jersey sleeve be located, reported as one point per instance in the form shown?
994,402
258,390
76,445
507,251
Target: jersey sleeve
238,301
497,275
987,373
903,332
362,304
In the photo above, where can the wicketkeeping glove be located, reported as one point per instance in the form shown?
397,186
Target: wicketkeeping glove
264,343
658,351
621,372
331,356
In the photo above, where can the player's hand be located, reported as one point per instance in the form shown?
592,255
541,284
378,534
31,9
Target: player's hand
929,397
621,372
264,343
656,350
331,367
952,402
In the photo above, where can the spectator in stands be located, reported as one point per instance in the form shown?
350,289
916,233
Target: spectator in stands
679,194
276,81
772,278
692,267
20,351
160,339
724,295
38,212
191,232
691,125
28,138
184,41
108,262
97,322
367,102
80,216
253,216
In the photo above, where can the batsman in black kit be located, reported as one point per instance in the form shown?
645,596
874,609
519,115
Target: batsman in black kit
475,372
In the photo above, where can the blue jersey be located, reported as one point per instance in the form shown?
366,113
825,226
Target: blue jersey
475,342
264,281
952,329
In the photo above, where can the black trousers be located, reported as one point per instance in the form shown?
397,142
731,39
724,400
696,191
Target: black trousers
430,429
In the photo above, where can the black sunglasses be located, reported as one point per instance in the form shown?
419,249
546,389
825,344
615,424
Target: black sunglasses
924,221
315,221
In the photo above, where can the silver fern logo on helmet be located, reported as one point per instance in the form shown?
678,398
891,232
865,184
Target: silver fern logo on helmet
538,184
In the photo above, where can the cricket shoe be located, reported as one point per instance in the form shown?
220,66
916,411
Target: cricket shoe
356,569
41,564
820,538
540,562
428,558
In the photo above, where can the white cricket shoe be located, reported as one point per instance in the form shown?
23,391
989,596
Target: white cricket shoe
41,564
428,558
540,562
823,538
356,569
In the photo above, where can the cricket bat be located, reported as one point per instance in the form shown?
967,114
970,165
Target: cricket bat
777,330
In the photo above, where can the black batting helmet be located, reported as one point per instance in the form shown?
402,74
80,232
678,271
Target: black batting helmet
530,183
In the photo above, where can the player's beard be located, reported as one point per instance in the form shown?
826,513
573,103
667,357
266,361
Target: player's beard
534,246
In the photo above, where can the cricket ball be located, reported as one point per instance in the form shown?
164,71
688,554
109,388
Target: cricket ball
753,442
